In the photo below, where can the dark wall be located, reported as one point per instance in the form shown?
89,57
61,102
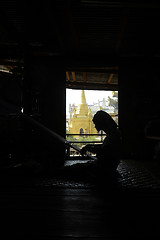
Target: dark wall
138,103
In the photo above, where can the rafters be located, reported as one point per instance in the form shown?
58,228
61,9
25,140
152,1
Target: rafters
91,80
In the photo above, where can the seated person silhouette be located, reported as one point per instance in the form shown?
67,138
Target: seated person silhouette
108,153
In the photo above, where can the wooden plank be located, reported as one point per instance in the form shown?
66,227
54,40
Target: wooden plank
68,77
85,77
110,78
74,76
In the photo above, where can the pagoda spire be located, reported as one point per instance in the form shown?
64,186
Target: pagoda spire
82,107
83,98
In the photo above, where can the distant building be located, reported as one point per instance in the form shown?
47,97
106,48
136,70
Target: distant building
80,117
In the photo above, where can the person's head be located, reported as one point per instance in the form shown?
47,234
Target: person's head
103,121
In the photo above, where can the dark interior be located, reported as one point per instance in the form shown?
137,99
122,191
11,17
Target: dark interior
46,47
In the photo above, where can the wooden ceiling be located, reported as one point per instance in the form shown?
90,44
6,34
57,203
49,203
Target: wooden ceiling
93,78
90,36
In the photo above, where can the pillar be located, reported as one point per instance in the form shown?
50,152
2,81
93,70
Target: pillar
45,99
131,118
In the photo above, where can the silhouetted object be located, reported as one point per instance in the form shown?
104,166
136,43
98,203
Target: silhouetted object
108,153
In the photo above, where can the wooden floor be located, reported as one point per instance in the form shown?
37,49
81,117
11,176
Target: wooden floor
64,209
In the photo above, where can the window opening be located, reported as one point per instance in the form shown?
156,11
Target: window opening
81,105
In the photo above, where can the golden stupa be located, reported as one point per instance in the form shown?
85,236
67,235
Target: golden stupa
81,121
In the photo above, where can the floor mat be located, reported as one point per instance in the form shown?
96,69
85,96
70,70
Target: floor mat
131,175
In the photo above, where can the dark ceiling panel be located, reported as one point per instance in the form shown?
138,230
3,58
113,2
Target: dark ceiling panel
86,33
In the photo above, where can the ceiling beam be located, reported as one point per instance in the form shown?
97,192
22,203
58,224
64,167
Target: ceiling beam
94,69
92,86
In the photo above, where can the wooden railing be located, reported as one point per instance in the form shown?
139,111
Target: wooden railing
82,139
